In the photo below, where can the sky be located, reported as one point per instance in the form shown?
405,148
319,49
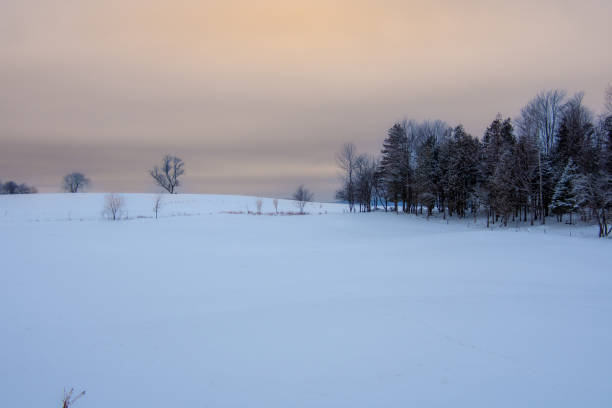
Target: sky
257,96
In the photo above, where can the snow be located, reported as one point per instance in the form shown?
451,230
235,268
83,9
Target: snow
202,308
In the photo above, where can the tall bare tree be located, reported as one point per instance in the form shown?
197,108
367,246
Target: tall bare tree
74,182
541,118
347,159
167,175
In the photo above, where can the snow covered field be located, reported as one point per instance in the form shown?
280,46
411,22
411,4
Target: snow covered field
202,308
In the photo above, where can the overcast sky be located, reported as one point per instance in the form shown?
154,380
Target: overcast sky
256,96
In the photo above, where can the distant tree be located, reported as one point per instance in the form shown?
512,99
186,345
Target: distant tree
364,182
594,194
565,196
498,141
346,159
463,169
502,186
607,144
275,203
23,188
157,204
74,182
575,136
527,176
167,175
302,196
113,207
258,205
11,187
427,174
540,118
608,101
395,165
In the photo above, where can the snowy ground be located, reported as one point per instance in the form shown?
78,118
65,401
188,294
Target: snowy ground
207,309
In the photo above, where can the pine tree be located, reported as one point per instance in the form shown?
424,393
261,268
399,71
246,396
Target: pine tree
565,196
527,175
502,186
498,140
395,164
463,169
426,174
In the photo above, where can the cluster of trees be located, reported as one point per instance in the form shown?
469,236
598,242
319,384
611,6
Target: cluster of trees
11,187
555,158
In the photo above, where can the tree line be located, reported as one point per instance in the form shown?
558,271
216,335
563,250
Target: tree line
12,187
554,159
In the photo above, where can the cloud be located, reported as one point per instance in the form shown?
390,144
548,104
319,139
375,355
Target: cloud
270,83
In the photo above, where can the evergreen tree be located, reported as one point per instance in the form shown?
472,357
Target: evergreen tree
463,169
527,180
395,164
502,187
565,196
426,174
498,140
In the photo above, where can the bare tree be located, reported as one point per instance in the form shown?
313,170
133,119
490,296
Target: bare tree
113,207
347,161
541,117
167,176
157,204
275,202
302,196
74,182
68,400
258,204
608,100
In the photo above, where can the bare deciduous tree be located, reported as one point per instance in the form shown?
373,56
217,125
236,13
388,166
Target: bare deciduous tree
157,204
74,182
346,159
540,118
68,399
167,176
302,196
258,204
113,207
608,100
275,202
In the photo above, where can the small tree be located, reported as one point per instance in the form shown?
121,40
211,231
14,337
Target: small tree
113,207
74,182
10,187
258,204
275,202
302,196
157,204
167,175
